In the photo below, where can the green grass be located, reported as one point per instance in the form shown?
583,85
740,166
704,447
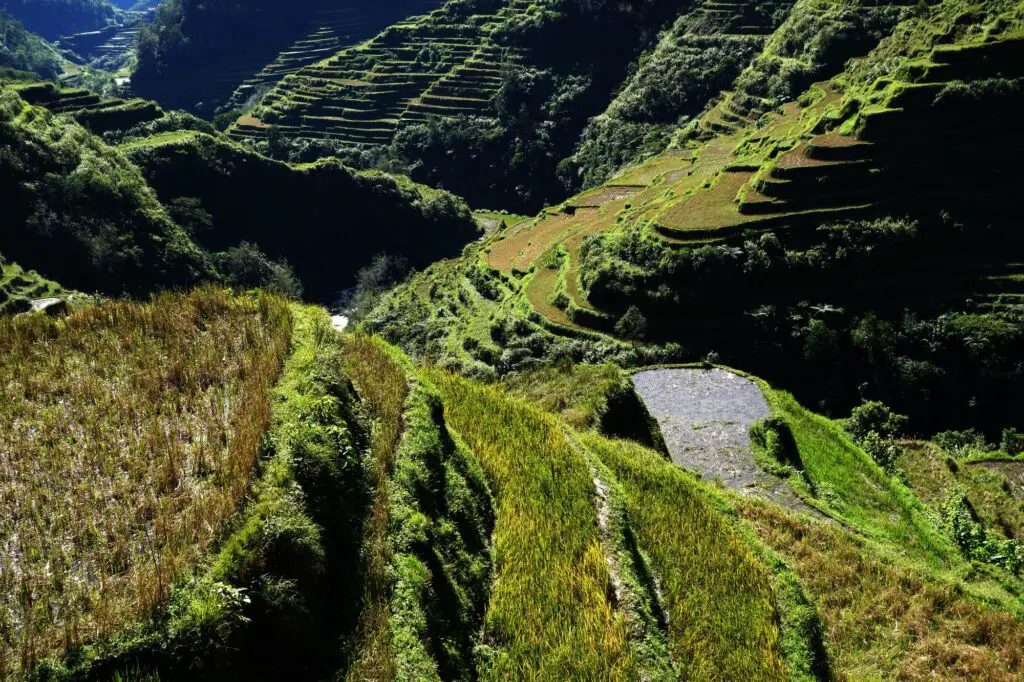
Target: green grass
146,425
850,487
575,393
933,477
722,620
442,519
381,382
549,616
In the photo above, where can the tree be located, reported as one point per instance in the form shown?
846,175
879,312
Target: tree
632,326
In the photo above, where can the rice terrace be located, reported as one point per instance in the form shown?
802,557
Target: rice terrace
542,340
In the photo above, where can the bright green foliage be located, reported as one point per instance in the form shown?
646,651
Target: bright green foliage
726,629
875,417
441,520
549,616
849,485
18,287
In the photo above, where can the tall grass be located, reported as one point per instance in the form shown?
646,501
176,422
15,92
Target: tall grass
549,615
128,433
382,384
885,618
722,620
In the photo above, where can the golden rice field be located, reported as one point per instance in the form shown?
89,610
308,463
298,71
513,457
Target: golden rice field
128,433
549,615
722,619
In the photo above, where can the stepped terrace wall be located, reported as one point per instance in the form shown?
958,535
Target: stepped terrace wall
196,55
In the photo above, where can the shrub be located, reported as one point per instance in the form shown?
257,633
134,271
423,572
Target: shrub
1012,441
247,267
875,417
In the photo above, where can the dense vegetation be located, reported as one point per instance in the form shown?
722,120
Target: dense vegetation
816,192
22,51
169,203
383,213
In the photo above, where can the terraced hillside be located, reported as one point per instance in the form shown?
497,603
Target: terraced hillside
111,46
329,31
716,239
228,53
444,63
775,51
98,114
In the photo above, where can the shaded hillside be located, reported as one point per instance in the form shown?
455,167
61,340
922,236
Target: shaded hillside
194,55
84,211
22,51
326,220
477,98
53,18
77,211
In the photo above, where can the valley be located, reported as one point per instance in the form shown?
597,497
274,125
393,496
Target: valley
453,340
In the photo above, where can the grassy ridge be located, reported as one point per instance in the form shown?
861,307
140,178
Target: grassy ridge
549,616
143,422
851,487
382,384
442,518
722,621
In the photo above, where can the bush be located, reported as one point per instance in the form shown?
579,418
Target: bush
962,443
1012,441
885,451
245,266
775,438
875,417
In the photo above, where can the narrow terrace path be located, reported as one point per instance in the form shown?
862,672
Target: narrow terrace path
705,417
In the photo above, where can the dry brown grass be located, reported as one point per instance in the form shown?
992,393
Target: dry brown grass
885,620
382,384
128,433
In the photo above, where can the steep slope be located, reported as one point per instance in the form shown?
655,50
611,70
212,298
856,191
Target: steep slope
194,55
77,211
780,48
22,51
483,87
835,197
326,220
85,212
53,18
188,376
